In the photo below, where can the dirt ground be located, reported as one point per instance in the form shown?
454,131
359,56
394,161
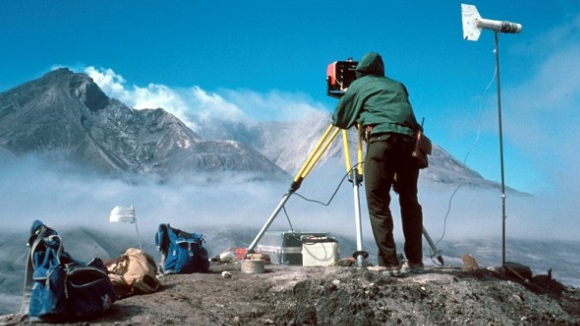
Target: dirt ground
296,295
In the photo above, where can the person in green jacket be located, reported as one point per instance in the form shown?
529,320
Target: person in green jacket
380,106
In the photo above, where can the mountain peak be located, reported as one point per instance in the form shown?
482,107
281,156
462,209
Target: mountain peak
60,71
66,115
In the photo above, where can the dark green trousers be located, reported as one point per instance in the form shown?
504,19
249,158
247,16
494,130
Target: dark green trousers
389,155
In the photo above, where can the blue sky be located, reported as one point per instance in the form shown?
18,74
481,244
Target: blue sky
266,60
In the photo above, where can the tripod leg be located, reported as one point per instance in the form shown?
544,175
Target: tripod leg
436,252
320,150
360,255
356,178
268,222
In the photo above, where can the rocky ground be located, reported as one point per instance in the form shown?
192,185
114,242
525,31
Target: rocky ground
296,295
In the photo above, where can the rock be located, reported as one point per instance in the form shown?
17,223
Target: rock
517,270
469,263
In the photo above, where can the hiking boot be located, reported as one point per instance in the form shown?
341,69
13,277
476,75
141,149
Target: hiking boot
412,268
394,271
376,268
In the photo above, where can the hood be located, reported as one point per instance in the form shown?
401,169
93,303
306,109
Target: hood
370,64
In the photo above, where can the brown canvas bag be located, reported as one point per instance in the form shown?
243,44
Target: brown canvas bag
135,272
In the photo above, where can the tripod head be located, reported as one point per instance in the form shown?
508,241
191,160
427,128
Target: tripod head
339,75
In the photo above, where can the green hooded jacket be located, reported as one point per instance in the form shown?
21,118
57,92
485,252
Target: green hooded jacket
373,99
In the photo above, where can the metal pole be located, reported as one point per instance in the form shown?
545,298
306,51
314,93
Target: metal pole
138,235
360,254
503,216
436,252
254,243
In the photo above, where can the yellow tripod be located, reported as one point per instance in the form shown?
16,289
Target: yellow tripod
356,177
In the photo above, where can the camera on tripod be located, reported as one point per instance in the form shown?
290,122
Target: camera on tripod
339,75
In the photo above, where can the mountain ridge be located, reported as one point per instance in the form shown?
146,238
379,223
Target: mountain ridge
273,139
67,116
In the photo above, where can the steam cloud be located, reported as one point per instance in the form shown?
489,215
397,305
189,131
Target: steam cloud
32,190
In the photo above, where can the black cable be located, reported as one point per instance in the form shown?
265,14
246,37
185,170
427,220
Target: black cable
288,218
333,194
317,201
467,155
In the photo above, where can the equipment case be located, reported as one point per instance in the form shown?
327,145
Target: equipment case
285,247
320,251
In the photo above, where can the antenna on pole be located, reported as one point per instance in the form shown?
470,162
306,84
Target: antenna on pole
472,26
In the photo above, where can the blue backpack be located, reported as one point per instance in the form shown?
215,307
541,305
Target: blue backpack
181,252
60,287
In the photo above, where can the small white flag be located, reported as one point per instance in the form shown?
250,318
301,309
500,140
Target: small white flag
121,214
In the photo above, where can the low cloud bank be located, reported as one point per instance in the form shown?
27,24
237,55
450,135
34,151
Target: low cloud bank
31,189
